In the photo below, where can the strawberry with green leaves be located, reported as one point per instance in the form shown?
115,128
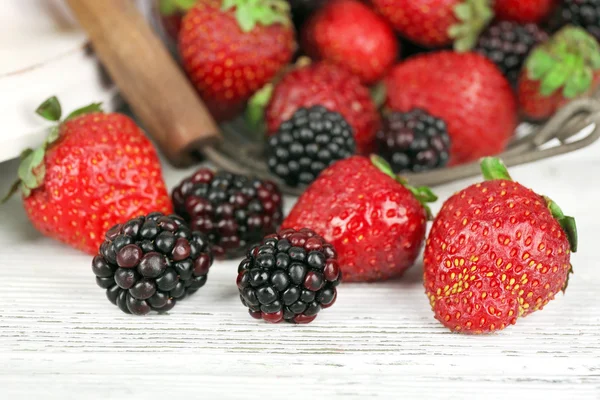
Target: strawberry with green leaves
375,221
437,23
93,171
564,68
497,251
232,48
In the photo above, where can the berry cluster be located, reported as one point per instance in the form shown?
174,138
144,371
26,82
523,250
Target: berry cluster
234,211
148,263
290,276
415,141
508,44
311,140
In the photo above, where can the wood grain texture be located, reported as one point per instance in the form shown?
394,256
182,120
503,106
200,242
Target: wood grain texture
61,339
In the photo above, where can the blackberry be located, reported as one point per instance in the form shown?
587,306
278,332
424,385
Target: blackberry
508,44
583,13
414,141
290,276
234,211
151,262
311,140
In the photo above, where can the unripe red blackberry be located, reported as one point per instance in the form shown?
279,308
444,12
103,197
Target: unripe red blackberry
148,263
234,211
290,276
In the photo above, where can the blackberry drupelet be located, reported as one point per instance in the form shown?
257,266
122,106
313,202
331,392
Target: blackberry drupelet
291,276
414,141
234,211
311,140
584,13
508,44
151,262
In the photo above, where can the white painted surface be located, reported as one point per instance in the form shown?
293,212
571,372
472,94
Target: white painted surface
60,338
43,53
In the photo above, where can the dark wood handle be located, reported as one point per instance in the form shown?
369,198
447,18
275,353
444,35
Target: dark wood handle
148,77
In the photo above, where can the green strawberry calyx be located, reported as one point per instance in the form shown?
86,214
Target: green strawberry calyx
567,62
494,169
249,13
172,7
473,16
32,170
422,193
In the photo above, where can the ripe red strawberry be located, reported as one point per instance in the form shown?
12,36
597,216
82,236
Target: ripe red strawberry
94,170
231,48
376,224
349,34
566,67
535,11
437,23
496,251
331,87
464,89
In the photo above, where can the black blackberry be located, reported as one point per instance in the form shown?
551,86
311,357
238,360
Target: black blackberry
307,143
508,44
148,263
291,276
583,13
234,211
413,141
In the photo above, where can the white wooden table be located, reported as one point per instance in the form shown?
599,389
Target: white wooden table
60,338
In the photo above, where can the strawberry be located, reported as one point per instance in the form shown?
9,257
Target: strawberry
375,222
566,67
231,48
464,89
94,170
437,23
349,34
534,11
331,87
496,251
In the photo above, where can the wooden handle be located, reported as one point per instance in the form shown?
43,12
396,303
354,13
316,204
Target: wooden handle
148,77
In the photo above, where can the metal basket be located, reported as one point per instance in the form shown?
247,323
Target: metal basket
573,127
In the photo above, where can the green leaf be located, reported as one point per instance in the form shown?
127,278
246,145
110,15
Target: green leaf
379,94
171,7
92,108
30,171
538,64
50,109
381,164
578,83
14,188
245,19
255,112
167,7
566,222
554,79
228,4
53,135
463,11
492,168
473,16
